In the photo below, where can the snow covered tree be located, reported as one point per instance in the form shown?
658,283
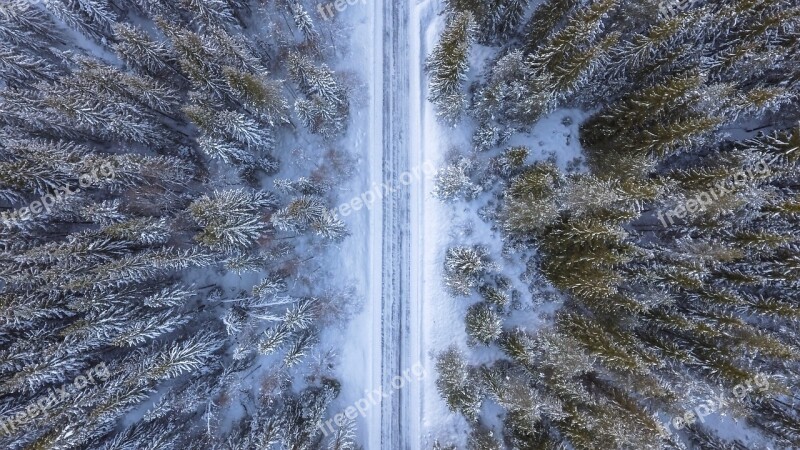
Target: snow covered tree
448,63
532,204
140,51
309,213
459,384
99,159
483,323
493,295
464,267
496,19
544,20
231,220
91,17
669,258
453,181
263,97
482,439
561,65
325,110
302,20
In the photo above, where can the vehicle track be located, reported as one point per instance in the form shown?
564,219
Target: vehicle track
395,271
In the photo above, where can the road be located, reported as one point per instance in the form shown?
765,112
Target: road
395,225
397,277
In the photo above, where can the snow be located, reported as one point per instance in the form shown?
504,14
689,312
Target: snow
435,226
551,137
358,347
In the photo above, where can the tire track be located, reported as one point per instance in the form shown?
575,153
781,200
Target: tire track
395,286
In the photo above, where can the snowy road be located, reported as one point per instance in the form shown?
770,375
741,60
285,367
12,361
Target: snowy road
395,221
396,274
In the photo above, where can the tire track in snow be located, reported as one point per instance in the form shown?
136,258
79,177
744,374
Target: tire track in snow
395,267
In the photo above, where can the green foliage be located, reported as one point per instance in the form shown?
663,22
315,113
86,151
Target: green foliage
531,200
459,384
655,314
545,19
483,323
448,63
496,19
612,347
264,97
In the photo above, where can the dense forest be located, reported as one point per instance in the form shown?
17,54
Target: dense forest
169,175
166,170
669,251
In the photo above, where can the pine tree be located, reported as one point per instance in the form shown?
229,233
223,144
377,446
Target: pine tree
19,67
23,25
209,12
230,219
99,275
610,347
497,19
483,323
263,97
302,20
482,439
447,65
561,64
464,267
90,17
453,181
458,384
544,20
532,203
309,213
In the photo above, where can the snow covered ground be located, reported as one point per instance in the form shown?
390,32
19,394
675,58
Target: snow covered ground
360,349
421,319
408,321
437,321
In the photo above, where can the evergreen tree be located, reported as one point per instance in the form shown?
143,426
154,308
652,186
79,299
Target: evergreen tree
464,267
497,19
669,261
483,324
447,65
230,219
101,191
458,384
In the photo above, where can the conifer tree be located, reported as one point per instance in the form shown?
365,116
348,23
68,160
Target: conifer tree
101,271
447,66
497,19
483,324
464,267
230,219
458,384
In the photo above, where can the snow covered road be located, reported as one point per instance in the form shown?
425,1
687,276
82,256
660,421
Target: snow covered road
397,230
395,221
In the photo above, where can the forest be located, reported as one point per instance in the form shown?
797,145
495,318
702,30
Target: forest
606,256
668,252
157,243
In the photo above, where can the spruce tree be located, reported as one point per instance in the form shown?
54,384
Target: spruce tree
447,66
